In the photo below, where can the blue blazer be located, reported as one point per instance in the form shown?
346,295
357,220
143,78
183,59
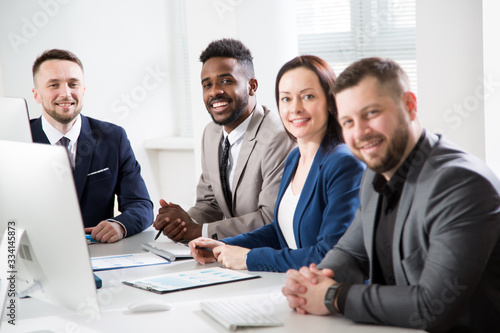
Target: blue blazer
105,165
325,210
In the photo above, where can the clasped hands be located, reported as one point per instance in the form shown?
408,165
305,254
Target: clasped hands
176,223
207,250
306,288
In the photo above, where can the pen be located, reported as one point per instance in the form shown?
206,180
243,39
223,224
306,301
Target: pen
159,233
204,248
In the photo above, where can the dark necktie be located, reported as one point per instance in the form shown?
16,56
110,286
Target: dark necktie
65,143
223,175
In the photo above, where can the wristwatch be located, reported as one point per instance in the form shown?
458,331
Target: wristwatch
330,295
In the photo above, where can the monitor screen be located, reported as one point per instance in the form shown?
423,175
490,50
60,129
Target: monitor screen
37,195
14,120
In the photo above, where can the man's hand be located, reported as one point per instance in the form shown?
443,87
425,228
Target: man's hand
106,232
176,223
230,256
305,289
201,249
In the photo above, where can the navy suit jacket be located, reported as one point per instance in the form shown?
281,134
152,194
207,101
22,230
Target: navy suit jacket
325,210
105,165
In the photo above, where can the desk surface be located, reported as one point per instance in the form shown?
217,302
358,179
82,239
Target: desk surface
185,315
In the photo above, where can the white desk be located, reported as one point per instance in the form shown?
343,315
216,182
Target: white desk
185,316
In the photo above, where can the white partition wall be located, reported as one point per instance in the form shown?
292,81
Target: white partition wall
491,28
459,73
267,28
450,71
124,46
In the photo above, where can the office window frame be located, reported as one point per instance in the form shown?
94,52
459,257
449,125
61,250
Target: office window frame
343,31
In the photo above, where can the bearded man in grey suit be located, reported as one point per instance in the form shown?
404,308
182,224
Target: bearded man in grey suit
236,195
427,231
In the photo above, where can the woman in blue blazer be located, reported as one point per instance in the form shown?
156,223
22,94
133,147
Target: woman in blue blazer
318,193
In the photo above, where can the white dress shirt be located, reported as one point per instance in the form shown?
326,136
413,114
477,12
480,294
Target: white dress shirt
235,140
54,135
286,211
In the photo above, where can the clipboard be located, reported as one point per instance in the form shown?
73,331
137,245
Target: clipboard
126,261
171,282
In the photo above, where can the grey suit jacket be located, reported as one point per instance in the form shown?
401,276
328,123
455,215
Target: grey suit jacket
446,250
256,180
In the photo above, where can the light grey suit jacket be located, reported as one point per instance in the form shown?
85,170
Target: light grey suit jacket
446,250
256,180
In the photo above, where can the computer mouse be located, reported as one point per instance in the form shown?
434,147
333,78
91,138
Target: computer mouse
150,305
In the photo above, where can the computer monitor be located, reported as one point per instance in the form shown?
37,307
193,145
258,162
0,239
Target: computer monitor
14,120
37,194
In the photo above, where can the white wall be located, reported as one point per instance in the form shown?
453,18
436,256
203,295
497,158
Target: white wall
491,28
124,47
127,50
450,71
459,73
267,28
1,80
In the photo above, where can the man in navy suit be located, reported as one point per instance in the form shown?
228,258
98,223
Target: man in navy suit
99,152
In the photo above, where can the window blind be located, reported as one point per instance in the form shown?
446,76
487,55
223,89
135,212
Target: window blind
343,31
180,55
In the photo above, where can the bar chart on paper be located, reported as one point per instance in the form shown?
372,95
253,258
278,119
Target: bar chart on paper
126,261
189,279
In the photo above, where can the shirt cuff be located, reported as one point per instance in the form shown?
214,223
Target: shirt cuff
204,230
342,297
116,221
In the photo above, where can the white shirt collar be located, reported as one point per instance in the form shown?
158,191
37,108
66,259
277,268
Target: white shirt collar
238,133
54,135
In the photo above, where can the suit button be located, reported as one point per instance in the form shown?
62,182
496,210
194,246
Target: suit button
260,268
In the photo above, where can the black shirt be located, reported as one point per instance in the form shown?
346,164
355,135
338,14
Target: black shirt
387,211
385,220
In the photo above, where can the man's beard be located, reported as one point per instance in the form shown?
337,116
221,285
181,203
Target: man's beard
395,150
236,113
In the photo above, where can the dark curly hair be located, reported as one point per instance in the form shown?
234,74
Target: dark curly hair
230,48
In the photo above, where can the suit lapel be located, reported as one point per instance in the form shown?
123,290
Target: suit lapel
247,146
212,158
306,194
369,215
37,132
405,204
84,154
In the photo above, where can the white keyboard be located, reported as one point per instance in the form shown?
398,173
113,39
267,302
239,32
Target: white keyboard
235,314
168,250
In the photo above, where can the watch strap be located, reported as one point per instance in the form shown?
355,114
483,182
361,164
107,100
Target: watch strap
330,296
